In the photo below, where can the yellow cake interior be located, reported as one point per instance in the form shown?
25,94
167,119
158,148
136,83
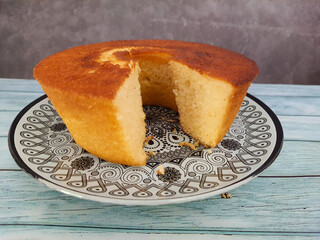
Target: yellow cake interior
131,117
202,102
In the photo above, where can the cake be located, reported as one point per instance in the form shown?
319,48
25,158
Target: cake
99,90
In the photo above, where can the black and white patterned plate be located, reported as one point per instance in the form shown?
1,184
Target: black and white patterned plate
42,146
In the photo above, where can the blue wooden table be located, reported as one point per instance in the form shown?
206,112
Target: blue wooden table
283,202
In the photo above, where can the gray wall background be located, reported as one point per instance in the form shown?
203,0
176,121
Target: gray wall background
282,36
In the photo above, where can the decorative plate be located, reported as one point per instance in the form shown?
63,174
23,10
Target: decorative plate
42,146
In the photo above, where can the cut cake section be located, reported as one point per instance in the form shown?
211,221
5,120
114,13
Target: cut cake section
98,90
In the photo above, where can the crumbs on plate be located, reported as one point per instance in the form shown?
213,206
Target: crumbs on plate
147,140
226,195
193,146
151,153
161,170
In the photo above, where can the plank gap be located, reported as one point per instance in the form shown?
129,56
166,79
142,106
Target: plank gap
172,230
21,91
10,170
300,140
292,176
291,96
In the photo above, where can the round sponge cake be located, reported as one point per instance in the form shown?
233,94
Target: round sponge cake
99,89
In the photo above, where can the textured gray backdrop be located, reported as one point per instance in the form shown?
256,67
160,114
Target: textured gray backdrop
282,36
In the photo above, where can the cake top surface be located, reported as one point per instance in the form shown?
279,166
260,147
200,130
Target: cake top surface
100,69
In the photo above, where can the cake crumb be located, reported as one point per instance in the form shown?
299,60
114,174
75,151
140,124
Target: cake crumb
163,119
151,153
147,140
171,120
190,145
160,170
209,151
174,130
226,195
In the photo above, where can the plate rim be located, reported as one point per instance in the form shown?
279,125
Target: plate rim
19,161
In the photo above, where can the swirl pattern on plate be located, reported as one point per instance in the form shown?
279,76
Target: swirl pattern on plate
50,151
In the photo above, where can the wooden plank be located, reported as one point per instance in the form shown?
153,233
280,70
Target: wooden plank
259,89
6,160
16,101
306,128
288,105
295,127
56,232
264,204
19,85
6,118
281,105
296,159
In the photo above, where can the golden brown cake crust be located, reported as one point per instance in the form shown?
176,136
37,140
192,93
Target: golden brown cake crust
80,70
